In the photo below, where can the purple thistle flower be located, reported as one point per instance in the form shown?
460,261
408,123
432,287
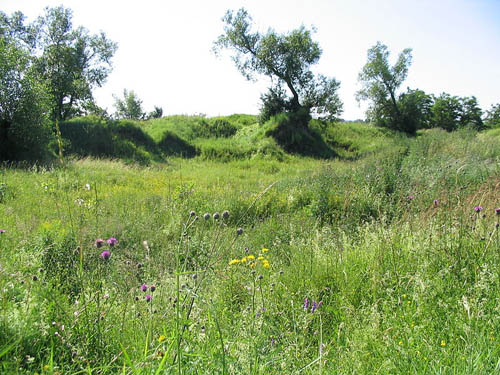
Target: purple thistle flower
112,241
314,306
3,230
478,208
436,203
144,287
105,255
99,243
497,211
306,303
148,298
411,197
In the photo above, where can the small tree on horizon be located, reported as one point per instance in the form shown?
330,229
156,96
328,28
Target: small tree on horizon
130,107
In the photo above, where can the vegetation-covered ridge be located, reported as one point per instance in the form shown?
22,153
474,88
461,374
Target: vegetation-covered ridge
386,264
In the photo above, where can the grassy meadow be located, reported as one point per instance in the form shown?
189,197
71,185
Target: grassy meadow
186,245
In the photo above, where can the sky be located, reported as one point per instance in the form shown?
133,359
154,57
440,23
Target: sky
165,47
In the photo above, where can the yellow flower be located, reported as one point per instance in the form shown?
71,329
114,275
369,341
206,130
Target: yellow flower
261,258
161,338
243,260
265,264
443,343
252,265
264,250
46,367
400,343
250,257
234,261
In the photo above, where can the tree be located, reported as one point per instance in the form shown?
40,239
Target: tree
470,113
156,113
452,112
380,83
492,119
24,106
72,62
415,108
130,107
286,59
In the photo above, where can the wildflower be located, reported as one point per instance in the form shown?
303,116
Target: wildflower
206,216
443,343
2,231
216,216
250,257
261,258
306,303
233,262
264,250
314,306
148,298
252,265
144,287
239,231
99,243
261,277
243,260
497,211
192,213
478,208
265,264
225,215
436,203
112,241
87,186
152,288
161,338
411,197
105,255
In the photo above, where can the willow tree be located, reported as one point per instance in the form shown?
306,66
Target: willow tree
286,59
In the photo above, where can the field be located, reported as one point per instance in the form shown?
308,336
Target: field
227,255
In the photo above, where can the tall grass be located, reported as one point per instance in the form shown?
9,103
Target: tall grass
393,244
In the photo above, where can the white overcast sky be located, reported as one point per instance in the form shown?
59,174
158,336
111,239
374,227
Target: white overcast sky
164,47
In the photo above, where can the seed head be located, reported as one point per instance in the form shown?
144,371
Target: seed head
225,215
206,216
99,243
239,231
216,216
152,288
192,213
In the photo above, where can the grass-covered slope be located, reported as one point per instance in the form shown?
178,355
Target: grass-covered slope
400,246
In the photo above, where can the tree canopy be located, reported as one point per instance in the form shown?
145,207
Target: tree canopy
73,62
287,60
380,82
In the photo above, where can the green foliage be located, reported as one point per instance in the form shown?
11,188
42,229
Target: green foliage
90,136
492,119
287,58
291,132
72,62
130,107
452,112
24,127
380,84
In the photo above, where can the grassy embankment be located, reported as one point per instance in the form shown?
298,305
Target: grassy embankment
387,238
